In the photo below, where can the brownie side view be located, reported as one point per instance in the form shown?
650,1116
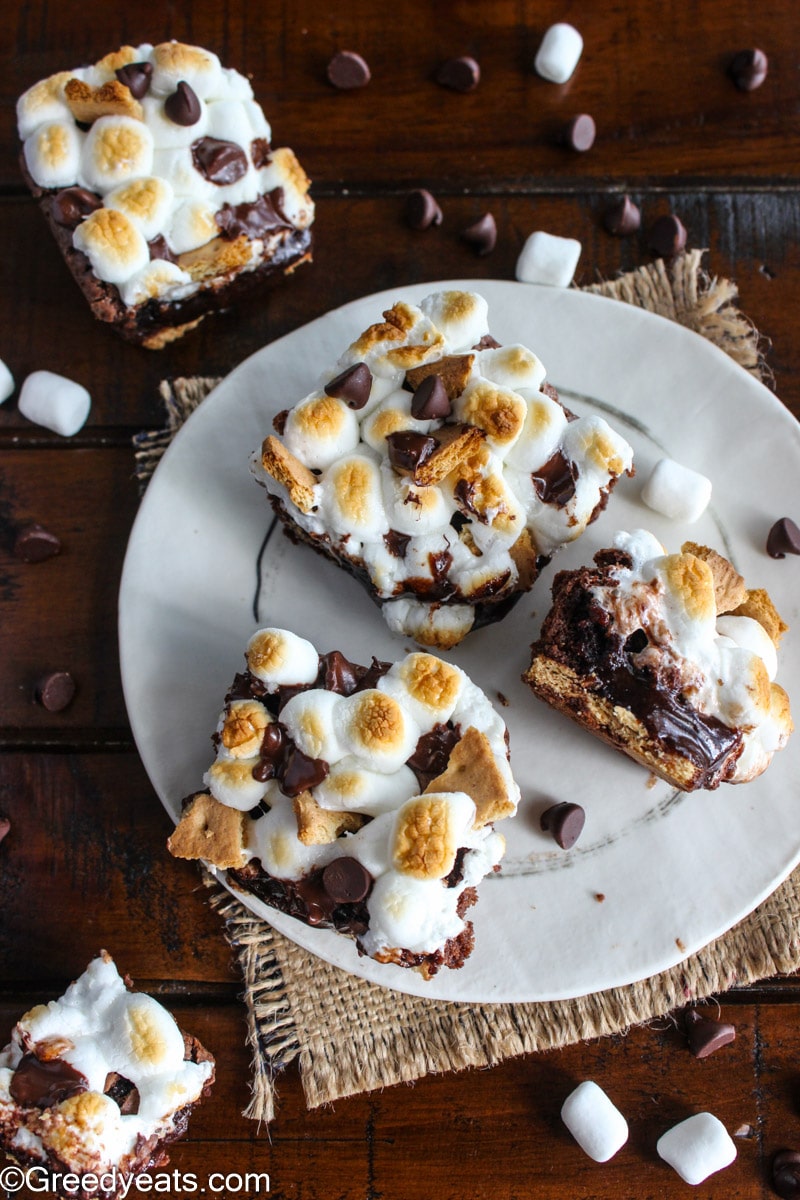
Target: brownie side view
439,468
99,1083
155,171
668,658
361,799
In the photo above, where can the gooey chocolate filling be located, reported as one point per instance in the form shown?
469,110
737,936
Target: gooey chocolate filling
38,1083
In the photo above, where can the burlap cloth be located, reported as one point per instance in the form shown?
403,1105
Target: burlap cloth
350,1036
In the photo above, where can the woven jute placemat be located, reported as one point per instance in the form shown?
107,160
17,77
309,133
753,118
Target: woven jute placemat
351,1036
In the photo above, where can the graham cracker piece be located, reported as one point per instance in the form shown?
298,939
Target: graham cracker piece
454,371
472,768
282,465
523,554
757,604
318,826
157,341
729,587
456,442
112,99
217,257
210,830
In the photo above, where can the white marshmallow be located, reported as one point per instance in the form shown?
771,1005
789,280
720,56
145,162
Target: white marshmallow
321,429
546,258
43,102
6,382
255,113
145,1040
278,656
411,509
677,491
159,278
54,402
351,787
750,635
53,154
309,719
597,1125
512,366
414,914
229,120
545,422
376,730
232,85
558,55
351,497
174,62
176,166
192,224
697,1147
463,317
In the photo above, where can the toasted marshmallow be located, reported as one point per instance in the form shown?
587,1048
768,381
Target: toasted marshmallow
376,729
443,626
159,279
512,366
116,149
275,842
406,338
750,635
411,509
147,1041
429,830
231,781
175,62
592,441
310,719
320,430
393,415
113,244
43,103
192,224
351,787
102,1138
277,657
146,202
167,134
497,410
463,317
284,172
241,729
545,422
53,153
426,685
352,497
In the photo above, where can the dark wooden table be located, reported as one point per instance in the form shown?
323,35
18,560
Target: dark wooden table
84,865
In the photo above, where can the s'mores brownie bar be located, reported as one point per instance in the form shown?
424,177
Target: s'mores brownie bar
155,170
357,798
438,468
98,1083
669,658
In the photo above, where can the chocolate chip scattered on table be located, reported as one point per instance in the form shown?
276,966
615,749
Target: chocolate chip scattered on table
33,543
422,209
482,234
348,70
622,217
461,74
783,538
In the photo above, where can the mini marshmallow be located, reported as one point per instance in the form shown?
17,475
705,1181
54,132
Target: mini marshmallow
167,134
697,1147
426,685
192,224
309,720
413,510
146,202
320,430
597,1125
116,149
174,62
229,121
159,278
463,317
53,154
115,247
349,786
176,166
546,258
545,422
6,382
751,635
231,781
559,53
277,657
677,491
351,496
512,366
376,730
54,402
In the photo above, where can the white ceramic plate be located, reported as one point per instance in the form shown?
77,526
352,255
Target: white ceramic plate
655,875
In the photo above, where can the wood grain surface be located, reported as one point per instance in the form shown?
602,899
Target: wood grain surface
84,866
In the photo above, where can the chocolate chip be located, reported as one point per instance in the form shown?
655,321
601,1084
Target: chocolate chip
748,69
136,77
422,211
706,1035
407,450
5,826
667,236
346,881
218,161
348,70
430,401
783,538
260,152
34,543
55,691
579,133
459,74
622,217
786,1174
487,342
565,822
482,235
183,107
71,205
339,674
301,772
254,218
353,386
159,248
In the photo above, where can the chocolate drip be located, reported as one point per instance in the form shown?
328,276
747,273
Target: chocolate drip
440,563
40,1084
432,752
409,450
554,483
254,220
260,152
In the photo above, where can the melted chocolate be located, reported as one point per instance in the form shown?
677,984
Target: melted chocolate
440,563
408,450
432,752
299,772
306,899
37,1084
260,152
159,249
554,483
396,543
219,161
71,205
338,674
255,220
464,491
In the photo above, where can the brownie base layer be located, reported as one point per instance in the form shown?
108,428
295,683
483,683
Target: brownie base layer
156,322
147,1156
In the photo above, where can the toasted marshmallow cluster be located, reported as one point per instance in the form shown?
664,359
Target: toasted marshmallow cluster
725,663
98,1029
363,799
174,143
449,504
